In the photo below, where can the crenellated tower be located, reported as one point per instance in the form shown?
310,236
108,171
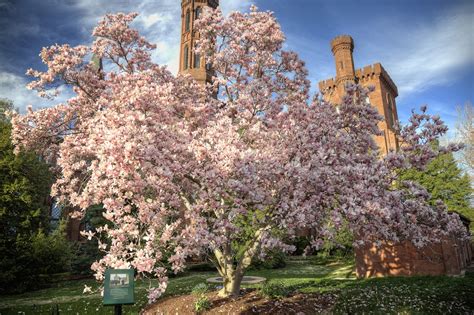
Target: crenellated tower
342,48
382,98
190,61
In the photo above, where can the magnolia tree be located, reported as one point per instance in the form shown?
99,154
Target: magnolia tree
181,173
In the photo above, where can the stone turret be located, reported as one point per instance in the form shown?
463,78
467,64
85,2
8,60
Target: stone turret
382,98
342,48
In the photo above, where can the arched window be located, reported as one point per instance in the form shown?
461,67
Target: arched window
197,60
187,21
197,14
186,57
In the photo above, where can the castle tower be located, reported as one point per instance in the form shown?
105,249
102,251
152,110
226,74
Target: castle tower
189,61
342,48
382,98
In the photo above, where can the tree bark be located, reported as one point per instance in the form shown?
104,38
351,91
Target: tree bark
232,274
231,284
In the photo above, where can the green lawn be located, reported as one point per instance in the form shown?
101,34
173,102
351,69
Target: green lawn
415,295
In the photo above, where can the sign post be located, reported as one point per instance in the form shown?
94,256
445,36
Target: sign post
119,288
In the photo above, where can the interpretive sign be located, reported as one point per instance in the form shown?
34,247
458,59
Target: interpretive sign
119,286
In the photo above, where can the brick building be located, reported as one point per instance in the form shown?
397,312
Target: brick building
382,98
452,255
189,61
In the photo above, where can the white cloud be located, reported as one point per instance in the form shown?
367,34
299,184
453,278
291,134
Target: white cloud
418,54
13,87
154,18
432,54
159,22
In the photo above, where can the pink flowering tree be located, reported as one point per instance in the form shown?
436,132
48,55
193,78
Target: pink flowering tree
228,178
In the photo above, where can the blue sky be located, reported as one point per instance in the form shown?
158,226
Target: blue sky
427,46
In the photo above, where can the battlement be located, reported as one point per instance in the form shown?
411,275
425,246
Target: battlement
367,72
341,42
327,85
362,74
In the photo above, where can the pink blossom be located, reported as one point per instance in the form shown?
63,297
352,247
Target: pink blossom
180,171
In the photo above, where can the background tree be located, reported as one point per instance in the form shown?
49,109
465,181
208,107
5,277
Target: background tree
25,242
465,133
26,183
445,181
231,178
86,253
6,105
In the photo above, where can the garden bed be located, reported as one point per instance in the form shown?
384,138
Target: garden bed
250,302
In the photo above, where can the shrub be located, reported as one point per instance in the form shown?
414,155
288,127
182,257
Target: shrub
273,260
274,289
200,289
52,253
84,254
340,247
300,242
203,266
31,261
202,304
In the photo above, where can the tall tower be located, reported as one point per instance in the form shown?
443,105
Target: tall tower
189,61
342,48
382,98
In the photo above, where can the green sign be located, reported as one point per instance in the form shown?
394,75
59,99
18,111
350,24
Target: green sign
119,286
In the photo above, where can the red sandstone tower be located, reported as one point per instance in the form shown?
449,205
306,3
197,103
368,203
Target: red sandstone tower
189,61
383,97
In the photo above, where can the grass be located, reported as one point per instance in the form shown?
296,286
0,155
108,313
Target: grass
401,295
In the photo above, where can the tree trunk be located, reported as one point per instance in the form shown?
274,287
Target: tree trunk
231,284
232,274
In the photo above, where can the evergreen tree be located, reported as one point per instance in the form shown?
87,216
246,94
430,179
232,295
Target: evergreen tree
25,182
5,105
26,246
445,181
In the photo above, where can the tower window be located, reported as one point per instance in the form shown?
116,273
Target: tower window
341,65
198,13
186,57
390,116
187,21
197,60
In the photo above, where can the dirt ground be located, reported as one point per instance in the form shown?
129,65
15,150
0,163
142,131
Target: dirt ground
250,302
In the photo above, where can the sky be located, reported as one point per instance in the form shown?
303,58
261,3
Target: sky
427,46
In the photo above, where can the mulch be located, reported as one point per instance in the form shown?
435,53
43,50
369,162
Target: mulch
250,302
